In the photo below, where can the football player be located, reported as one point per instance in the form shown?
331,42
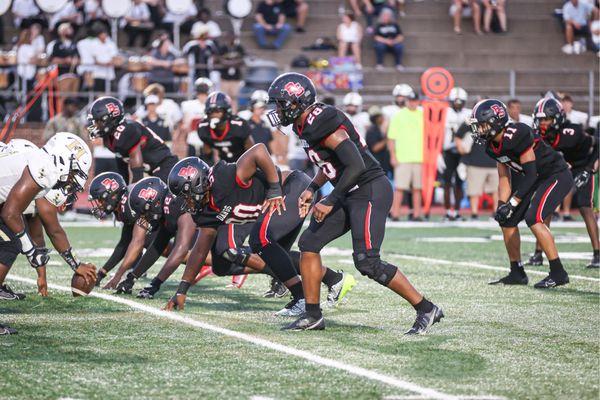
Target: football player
353,103
135,144
580,151
534,179
26,176
225,136
251,190
359,202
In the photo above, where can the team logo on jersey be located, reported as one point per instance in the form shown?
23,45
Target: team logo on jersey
113,109
148,194
187,172
110,184
499,111
294,89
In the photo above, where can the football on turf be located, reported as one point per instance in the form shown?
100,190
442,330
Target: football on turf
79,287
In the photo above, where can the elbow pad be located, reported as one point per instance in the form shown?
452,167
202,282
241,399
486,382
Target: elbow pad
529,178
347,153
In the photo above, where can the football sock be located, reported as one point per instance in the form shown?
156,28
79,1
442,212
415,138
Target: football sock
279,260
424,306
556,266
156,282
537,252
331,277
313,310
596,253
517,266
297,291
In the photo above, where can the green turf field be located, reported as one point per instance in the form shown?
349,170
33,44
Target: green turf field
495,342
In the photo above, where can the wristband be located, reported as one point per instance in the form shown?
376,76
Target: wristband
26,244
274,190
70,259
313,187
513,202
183,287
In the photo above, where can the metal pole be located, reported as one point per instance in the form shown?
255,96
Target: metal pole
591,93
115,29
513,80
176,35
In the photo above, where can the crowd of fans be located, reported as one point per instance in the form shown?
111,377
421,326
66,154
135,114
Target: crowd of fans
581,20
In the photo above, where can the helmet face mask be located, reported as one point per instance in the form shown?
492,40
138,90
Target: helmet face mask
548,118
106,113
189,180
105,193
488,119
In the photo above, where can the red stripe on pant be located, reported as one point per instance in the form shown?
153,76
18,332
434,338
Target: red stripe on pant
264,241
368,244
592,193
230,237
538,214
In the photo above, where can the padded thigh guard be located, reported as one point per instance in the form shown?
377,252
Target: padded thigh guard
369,264
237,255
223,267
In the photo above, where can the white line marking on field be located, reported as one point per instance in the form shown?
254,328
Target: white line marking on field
419,397
481,266
352,369
261,398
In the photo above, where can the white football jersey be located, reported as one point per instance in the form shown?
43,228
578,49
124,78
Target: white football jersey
192,110
361,122
454,120
14,159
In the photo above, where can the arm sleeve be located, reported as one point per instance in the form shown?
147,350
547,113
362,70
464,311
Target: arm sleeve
354,165
120,248
153,252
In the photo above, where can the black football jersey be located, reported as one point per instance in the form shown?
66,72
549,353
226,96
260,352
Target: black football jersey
130,135
172,210
516,140
230,200
229,144
322,122
575,145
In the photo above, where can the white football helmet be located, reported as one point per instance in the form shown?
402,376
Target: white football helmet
203,85
73,159
353,99
259,98
21,145
458,94
402,89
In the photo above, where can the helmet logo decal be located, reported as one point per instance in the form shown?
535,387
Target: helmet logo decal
499,111
148,194
187,172
113,109
110,184
76,148
294,89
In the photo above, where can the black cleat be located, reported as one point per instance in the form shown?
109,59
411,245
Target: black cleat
277,289
513,278
552,281
7,330
148,292
595,263
306,323
6,293
425,320
126,285
535,260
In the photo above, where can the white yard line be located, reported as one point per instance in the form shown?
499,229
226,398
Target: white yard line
351,369
480,266
419,397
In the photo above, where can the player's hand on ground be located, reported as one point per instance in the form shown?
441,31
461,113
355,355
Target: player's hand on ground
42,285
113,282
88,271
321,211
272,205
177,302
305,202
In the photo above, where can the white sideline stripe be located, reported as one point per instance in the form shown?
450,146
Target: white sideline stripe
419,397
481,266
352,369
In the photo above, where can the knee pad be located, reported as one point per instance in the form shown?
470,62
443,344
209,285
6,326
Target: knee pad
222,267
370,265
309,242
238,255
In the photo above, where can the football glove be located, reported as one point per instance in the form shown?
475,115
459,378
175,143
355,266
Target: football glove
38,256
582,178
126,285
504,212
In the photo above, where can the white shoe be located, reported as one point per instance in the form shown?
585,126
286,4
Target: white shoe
292,309
567,49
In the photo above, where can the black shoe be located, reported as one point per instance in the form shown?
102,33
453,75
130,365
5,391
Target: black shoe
474,217
148,292
425,320
126,285
513,278
552,281
306,323
535,260
276,290
568,218
7,330
6,293
300,29
595,263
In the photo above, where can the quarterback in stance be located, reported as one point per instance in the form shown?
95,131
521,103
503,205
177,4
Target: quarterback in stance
359,203
62,164
534,179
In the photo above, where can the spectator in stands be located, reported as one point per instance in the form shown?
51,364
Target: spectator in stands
103,52
482,175
574,116
70,13
37,38
137,23
349,36
25,12
514,112
372,9
270,21
595,30
153,121
457,9
193,110
64,51
185,21
388,38
161,61
26,69
204,17
260,128
377,139
93,13
166,108
86,48
66,121
231,59
353,104
492,6
200,51
405,143
576,17
296,9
